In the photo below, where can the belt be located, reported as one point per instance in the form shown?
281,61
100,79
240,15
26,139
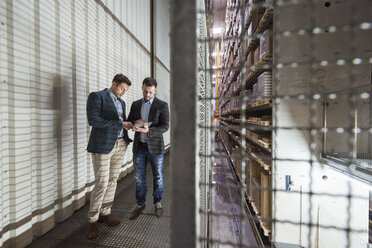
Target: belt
142,144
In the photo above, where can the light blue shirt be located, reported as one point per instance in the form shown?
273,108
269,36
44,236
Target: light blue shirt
119,108
145,110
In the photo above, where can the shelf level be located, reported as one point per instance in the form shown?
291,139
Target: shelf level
253,75
251,125
253,156
257,106
261,144
264,22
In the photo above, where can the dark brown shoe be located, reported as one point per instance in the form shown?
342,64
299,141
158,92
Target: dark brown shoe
136,212
109,219
92,230
158,210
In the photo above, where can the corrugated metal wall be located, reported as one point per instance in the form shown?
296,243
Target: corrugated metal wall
162,52
162,76
204,113
162,26
53,54
134,14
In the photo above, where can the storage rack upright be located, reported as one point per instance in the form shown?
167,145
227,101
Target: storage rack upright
245,109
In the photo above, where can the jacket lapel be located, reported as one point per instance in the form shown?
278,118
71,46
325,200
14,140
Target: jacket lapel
111,102
152,109
123,107
138,109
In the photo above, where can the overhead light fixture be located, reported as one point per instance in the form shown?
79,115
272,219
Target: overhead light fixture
217,30
214,75
214,54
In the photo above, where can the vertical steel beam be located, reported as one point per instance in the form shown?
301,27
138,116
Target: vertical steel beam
152,37
184,211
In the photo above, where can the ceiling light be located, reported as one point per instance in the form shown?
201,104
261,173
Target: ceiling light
217,30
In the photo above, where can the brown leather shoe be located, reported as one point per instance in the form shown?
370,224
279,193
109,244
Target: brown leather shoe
158,210
109,219
136,212
92,230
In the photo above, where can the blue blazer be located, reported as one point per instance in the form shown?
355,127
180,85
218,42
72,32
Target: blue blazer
104,119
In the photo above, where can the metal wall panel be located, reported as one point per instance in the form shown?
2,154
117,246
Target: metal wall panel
162,32
162,77
135,15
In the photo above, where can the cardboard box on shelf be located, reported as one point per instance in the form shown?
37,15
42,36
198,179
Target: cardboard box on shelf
229,78
239,77
239,58
246,13
257,13
231,60
231,89
254,93
254,136
236,47
248,63
238,18
256,55
266,43
245,44
264,82
225,74
269,4
251,57
266,118
247,38
228,107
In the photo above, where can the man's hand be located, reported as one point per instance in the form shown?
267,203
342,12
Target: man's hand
127,125
144,129
140,121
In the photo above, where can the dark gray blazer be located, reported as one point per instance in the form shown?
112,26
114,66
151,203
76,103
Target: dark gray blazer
159,116
104,119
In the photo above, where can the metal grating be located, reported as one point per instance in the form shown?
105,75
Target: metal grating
146,231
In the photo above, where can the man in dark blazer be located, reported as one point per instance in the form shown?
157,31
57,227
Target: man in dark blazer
148,144
108,143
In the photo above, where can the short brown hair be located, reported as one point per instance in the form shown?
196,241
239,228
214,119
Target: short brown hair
149,81
120,78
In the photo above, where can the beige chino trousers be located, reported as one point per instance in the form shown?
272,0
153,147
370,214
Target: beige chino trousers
106,171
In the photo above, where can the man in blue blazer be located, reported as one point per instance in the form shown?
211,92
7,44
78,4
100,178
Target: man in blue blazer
107,143
148,144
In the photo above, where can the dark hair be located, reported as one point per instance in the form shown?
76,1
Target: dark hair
149,81
120,78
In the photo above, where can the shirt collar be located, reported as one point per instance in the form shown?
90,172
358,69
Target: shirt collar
149,102
112,95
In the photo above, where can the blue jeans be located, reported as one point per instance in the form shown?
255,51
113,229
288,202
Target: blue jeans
139,163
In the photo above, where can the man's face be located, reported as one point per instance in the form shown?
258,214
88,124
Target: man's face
148,92
119,90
